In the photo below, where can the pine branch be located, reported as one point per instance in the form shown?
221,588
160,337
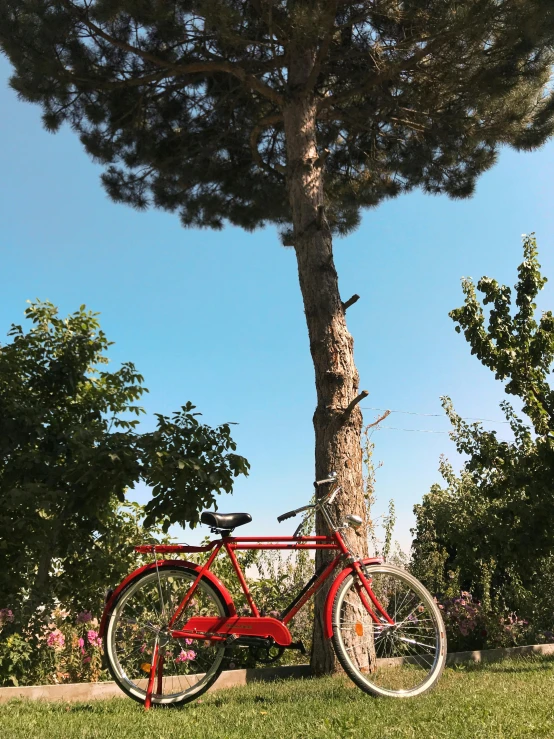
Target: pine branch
193,68
254,137
324,48
390,72
269,20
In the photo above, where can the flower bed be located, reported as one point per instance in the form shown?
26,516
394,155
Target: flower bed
469,626
57,647
52,648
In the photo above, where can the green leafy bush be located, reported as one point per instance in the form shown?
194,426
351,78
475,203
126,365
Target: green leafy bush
69,452
488,529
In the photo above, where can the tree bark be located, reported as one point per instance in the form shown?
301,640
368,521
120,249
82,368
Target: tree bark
337,436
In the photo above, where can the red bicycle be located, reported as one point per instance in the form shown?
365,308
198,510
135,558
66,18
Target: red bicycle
170,625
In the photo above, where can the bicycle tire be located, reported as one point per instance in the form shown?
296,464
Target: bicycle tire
416,630
135,688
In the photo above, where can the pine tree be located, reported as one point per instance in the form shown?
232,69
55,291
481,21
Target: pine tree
294,112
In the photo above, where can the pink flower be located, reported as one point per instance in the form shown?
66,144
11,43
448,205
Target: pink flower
186,656
86,659
55,639
82,645
188,642
93,638
84,617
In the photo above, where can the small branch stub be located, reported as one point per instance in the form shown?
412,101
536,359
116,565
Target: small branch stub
350,301
290,239
319,217
354,403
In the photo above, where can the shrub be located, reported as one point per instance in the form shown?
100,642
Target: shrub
470,626
488,529
54,647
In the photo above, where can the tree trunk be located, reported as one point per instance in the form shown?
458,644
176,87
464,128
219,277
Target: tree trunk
40,592
337,437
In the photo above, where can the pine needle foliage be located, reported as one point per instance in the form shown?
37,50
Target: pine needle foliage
183,101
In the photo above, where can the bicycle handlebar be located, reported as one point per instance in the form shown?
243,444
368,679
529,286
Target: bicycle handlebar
290,514
328,498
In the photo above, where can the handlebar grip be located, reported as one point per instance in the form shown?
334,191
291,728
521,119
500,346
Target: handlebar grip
284,516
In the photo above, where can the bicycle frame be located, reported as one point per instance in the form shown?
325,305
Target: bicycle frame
220,629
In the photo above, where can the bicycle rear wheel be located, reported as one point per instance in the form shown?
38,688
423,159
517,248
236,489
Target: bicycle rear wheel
397,661
138,623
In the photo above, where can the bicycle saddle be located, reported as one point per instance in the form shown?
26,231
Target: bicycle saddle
225,521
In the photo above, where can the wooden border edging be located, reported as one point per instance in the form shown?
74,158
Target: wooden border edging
109,689
234,678
497,655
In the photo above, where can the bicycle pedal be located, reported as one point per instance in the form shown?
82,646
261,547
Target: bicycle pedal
298,645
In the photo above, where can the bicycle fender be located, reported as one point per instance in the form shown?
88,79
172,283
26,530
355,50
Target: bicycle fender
343,574
179,563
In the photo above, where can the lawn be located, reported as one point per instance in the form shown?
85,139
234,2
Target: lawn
507,699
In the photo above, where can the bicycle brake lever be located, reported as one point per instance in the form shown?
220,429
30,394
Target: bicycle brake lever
333,496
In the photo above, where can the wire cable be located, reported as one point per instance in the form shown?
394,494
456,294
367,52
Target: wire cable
430,415
424,431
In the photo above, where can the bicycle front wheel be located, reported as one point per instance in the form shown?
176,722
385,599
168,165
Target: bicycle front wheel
138,627
398,660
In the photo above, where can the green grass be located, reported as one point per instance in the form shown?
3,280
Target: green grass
507,699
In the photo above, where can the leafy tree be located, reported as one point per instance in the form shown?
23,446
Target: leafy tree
185,462
69,450
490,529
293,112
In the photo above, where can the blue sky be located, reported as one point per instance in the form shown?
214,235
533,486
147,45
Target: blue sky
216,317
